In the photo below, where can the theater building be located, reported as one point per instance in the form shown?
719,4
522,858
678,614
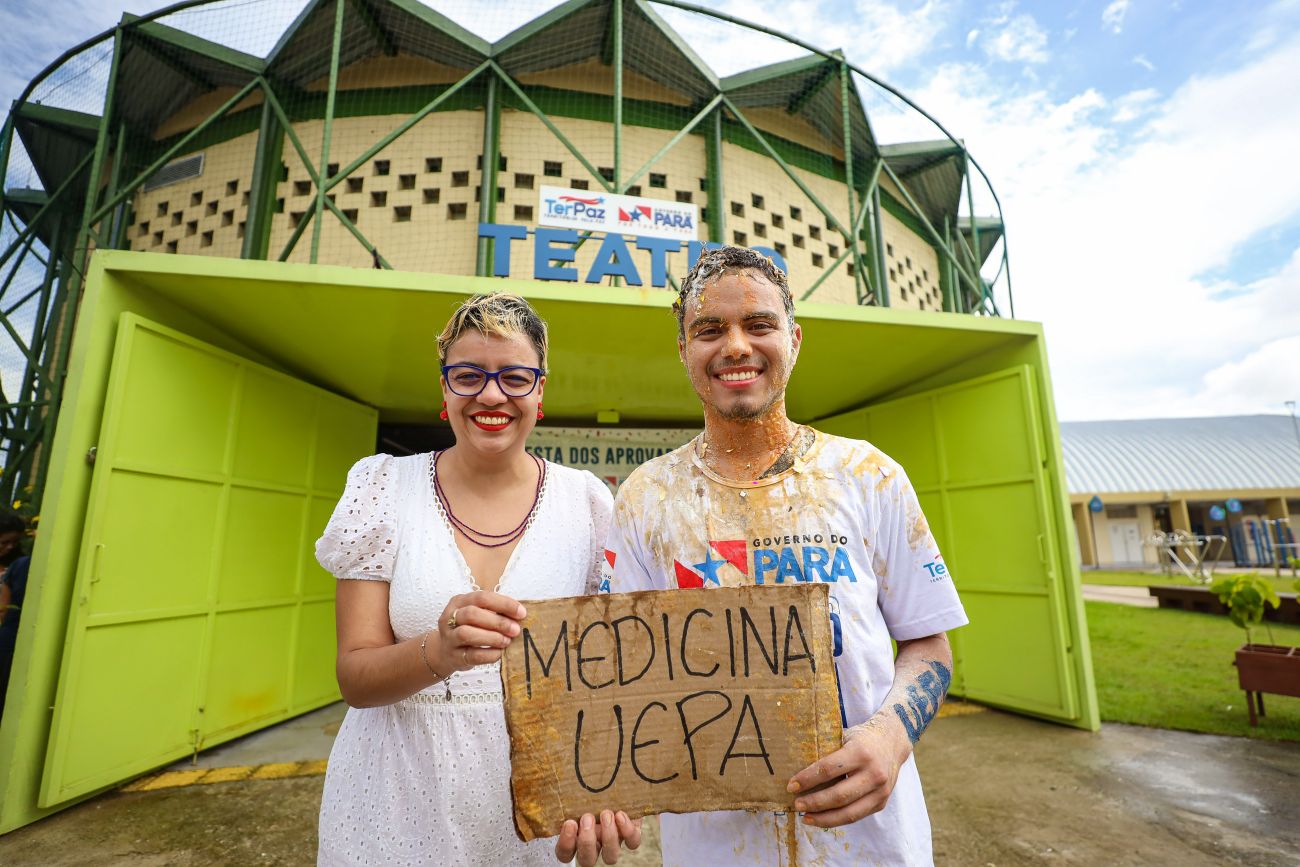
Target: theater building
233,241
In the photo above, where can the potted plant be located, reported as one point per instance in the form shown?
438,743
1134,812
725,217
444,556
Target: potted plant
1261,668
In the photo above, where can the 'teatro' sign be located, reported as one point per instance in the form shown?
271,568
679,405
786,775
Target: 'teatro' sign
667,701
554,249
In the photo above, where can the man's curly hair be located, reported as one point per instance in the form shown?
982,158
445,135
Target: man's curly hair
713,264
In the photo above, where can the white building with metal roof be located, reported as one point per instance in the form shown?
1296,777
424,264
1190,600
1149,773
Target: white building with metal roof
1233,476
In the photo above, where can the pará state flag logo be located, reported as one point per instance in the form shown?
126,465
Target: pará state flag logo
732,552
607,571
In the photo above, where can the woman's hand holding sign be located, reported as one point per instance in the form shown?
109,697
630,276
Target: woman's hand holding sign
591,835
475,629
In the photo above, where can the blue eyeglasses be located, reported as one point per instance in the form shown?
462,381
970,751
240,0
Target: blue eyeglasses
469,380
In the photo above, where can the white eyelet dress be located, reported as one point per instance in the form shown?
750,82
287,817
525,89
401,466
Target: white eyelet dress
427,780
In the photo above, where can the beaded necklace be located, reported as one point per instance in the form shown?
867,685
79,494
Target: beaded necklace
469,532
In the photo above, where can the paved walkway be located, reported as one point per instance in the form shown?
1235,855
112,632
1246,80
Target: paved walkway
1122,595
1003,790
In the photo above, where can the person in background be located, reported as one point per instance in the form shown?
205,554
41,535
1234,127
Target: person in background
13,590
431,552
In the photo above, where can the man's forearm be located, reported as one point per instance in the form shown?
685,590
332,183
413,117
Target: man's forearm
922,674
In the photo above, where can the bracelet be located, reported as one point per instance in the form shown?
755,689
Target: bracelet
423,655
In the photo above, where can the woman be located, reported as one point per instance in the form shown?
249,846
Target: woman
432,552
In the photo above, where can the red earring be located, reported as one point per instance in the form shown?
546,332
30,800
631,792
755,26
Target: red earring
540,415
443,415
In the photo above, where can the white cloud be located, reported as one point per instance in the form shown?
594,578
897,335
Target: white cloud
1142,61
1112,17
879,36
1258,382
1111,229
1014,38
1133,105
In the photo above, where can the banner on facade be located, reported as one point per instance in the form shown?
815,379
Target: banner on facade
599,211
668,701
610,453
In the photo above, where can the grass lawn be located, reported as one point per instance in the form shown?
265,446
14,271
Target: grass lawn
1285,584
1173,669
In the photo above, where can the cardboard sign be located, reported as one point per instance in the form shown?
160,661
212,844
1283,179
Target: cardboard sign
668,701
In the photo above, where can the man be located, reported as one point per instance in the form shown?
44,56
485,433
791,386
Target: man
757,498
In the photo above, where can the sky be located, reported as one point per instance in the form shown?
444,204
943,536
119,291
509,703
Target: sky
1142,151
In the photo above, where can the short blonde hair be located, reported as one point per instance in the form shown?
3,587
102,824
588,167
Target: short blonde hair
495,314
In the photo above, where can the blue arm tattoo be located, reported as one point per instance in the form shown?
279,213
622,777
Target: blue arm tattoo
923,702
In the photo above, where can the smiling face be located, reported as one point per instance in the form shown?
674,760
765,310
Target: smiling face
492,423
738,345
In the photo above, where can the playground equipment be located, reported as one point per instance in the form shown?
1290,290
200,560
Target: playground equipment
1188,553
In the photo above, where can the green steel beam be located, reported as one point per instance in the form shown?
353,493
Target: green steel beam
291,32
63,317
847,251
444,25
537,25
853,242
681,134
618,94
935,237
176,148
882,297
6,146
265,179
4,288
335,48
91,216
555,131
289,132
356,233
647,10
29,381
487,198
155,50
188,43
945,271
781,69
117,228
371,21
713,171
785,167
13,224
809,91
831,270
970,209
49,203
405,125
302,226
77,123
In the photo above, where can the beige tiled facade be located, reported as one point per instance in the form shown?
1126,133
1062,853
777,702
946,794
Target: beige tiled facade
203,216
417,200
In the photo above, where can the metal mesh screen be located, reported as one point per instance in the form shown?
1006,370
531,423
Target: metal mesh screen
383,133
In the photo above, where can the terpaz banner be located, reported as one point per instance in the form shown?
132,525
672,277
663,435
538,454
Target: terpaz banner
608,212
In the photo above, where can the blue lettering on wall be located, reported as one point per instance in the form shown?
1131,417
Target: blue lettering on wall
614,260
553,247
545,252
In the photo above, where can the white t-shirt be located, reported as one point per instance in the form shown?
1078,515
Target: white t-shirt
844,514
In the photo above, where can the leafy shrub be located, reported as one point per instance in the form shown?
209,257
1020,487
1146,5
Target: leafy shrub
1245,597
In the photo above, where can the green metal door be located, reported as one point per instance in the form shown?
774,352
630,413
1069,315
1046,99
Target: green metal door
977,455
199,613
